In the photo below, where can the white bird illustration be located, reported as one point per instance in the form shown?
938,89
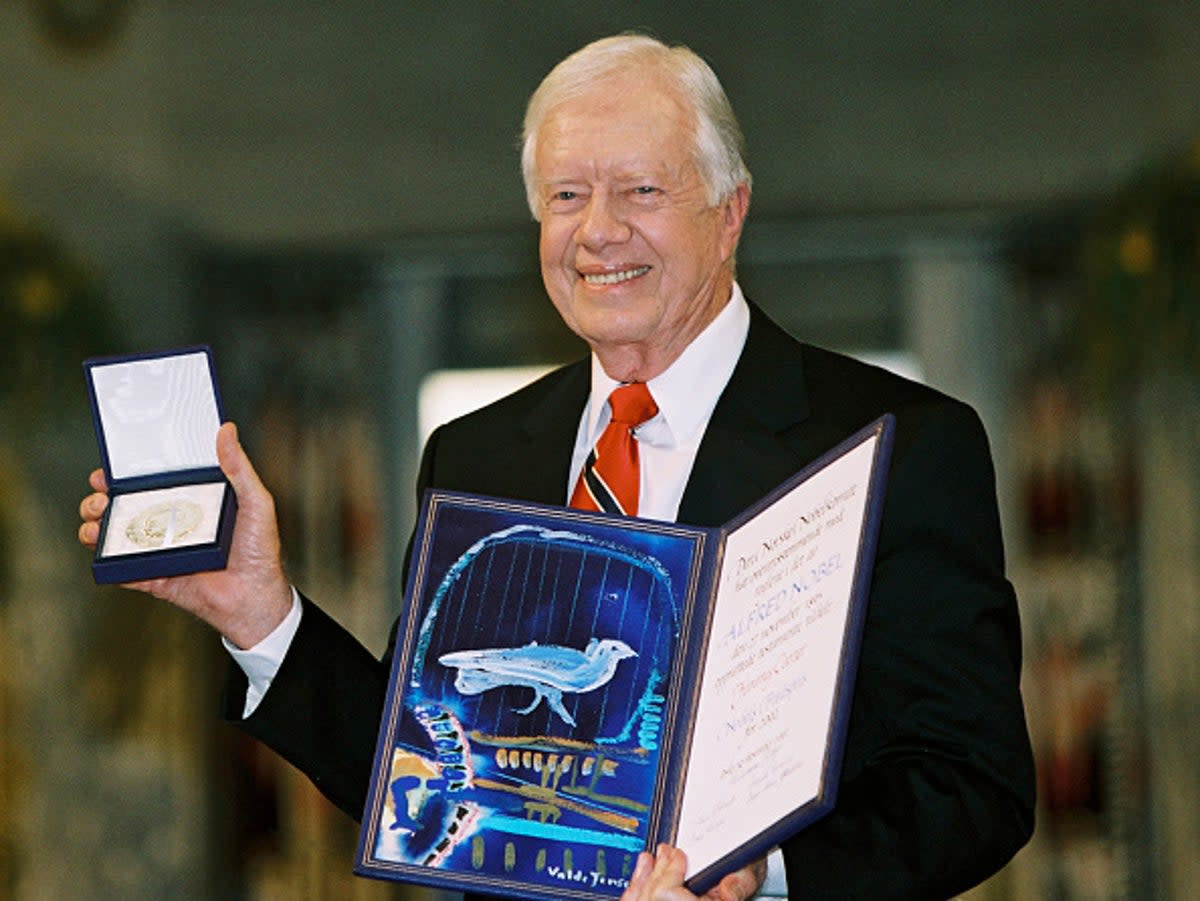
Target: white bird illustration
548,669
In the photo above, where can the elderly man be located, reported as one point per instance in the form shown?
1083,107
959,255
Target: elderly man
633,168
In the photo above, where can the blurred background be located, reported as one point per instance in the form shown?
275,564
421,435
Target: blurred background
1001,198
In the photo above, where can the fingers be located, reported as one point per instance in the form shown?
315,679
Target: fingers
640,877
91,509
740,884
234,462
256,536
89,534
659,878
669,866
229,448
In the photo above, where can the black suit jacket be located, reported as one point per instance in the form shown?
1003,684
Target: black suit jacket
937,786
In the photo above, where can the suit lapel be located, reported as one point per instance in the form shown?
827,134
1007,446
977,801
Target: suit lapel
546,436
757,436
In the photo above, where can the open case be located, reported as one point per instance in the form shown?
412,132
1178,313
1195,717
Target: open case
171,510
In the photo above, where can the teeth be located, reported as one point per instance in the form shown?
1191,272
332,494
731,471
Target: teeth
615,278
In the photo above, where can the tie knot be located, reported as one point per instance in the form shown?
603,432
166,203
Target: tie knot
632,404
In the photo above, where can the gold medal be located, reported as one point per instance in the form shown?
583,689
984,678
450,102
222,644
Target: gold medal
162,524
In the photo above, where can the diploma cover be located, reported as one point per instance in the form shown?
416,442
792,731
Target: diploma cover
571,688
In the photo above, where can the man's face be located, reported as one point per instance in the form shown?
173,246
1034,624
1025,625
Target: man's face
633,256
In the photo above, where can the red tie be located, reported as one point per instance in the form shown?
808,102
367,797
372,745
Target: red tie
610,480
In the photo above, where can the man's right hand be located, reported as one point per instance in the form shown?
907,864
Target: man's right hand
251,596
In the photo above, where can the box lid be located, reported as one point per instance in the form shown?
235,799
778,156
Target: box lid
155,413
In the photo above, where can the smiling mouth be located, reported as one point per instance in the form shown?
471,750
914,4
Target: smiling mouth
615,278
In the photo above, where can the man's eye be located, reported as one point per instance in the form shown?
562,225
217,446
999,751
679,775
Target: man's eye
564,195
645,189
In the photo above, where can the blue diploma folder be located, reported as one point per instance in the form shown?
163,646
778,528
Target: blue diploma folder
570,688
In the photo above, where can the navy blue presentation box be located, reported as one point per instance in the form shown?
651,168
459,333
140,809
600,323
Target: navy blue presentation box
171,510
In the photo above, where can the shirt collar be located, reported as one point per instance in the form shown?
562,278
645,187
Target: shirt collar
688,390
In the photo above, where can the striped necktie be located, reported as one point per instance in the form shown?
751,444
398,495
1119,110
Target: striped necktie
610,479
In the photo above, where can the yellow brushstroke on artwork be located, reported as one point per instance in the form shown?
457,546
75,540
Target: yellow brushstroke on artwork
542,811
536,794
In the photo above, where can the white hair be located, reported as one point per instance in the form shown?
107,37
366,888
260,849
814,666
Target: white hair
718,142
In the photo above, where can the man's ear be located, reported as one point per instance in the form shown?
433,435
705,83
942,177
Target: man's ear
733,216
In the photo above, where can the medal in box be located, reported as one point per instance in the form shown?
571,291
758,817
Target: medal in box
171,511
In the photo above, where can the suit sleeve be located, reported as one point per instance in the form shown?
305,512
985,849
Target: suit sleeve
937,789
322,711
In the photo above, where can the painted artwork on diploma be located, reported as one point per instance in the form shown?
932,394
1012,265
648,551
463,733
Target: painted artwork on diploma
527,737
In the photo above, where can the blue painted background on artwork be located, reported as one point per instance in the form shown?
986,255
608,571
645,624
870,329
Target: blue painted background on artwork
538,673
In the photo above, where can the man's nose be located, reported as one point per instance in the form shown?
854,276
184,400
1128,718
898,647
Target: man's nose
603,222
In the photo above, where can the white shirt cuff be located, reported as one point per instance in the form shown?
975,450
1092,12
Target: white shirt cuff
261,662
775,885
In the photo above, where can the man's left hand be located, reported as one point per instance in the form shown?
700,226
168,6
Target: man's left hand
659,877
